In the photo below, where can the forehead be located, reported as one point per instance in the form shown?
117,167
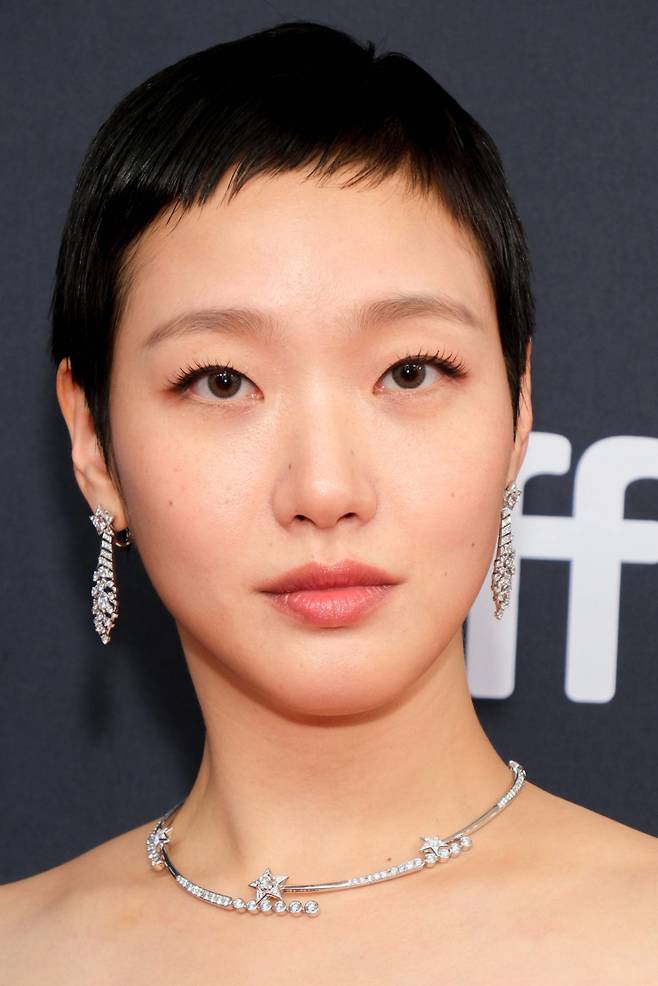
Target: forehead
294,246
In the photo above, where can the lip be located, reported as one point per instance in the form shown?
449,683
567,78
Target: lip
346,572
335,607
330,595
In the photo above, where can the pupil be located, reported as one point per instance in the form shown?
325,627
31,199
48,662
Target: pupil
226,384
408,370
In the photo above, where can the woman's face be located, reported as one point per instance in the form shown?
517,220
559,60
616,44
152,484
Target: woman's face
312,448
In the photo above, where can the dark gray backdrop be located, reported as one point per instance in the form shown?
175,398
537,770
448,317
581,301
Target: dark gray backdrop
94,739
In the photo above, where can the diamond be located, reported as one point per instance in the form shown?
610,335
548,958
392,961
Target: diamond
268,885
101,519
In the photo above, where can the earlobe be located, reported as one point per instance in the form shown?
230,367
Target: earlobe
88,461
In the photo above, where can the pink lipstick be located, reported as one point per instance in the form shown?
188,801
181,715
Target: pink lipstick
330,595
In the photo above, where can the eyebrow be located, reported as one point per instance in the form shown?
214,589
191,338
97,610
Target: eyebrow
255,322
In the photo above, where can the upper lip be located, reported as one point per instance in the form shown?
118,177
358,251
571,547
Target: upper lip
342,573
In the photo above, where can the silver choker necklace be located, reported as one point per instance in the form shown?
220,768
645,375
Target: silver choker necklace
269,887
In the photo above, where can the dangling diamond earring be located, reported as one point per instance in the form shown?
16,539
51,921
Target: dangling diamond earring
105,604
503,569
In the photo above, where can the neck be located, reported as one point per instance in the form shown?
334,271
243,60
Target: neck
322,799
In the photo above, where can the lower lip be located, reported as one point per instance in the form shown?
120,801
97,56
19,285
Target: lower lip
335,607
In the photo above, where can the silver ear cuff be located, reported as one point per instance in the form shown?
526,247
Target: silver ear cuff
503,568
104,594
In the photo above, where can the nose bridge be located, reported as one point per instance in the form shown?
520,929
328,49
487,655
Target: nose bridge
324,460
322,429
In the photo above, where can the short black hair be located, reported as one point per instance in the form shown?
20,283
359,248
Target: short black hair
295,94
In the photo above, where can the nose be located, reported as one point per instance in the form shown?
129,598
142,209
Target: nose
325,473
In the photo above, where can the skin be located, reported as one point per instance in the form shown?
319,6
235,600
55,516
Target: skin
328,750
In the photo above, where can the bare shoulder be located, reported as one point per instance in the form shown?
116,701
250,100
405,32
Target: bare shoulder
600,831
600,880
590,842
93,896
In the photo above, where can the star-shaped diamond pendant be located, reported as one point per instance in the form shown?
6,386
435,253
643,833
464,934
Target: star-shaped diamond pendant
163,836
267,885
432,842
155,843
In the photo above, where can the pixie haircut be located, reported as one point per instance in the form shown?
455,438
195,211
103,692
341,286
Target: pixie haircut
297,94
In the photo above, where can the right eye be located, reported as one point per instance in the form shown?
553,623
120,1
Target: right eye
222,380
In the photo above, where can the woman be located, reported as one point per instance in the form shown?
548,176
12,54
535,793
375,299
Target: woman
292,328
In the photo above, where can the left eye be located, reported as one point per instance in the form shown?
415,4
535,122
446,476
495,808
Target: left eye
409,375
413,369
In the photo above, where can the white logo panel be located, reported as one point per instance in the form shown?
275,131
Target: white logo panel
595,540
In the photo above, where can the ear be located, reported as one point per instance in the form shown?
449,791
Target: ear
89,464
524,420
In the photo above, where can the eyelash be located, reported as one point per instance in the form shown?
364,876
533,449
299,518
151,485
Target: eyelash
449,363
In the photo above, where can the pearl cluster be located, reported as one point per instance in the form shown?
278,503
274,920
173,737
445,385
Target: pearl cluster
265,906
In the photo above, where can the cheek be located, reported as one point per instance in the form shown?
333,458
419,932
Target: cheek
449,495
188,509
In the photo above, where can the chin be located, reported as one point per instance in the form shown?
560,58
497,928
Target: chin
319,689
